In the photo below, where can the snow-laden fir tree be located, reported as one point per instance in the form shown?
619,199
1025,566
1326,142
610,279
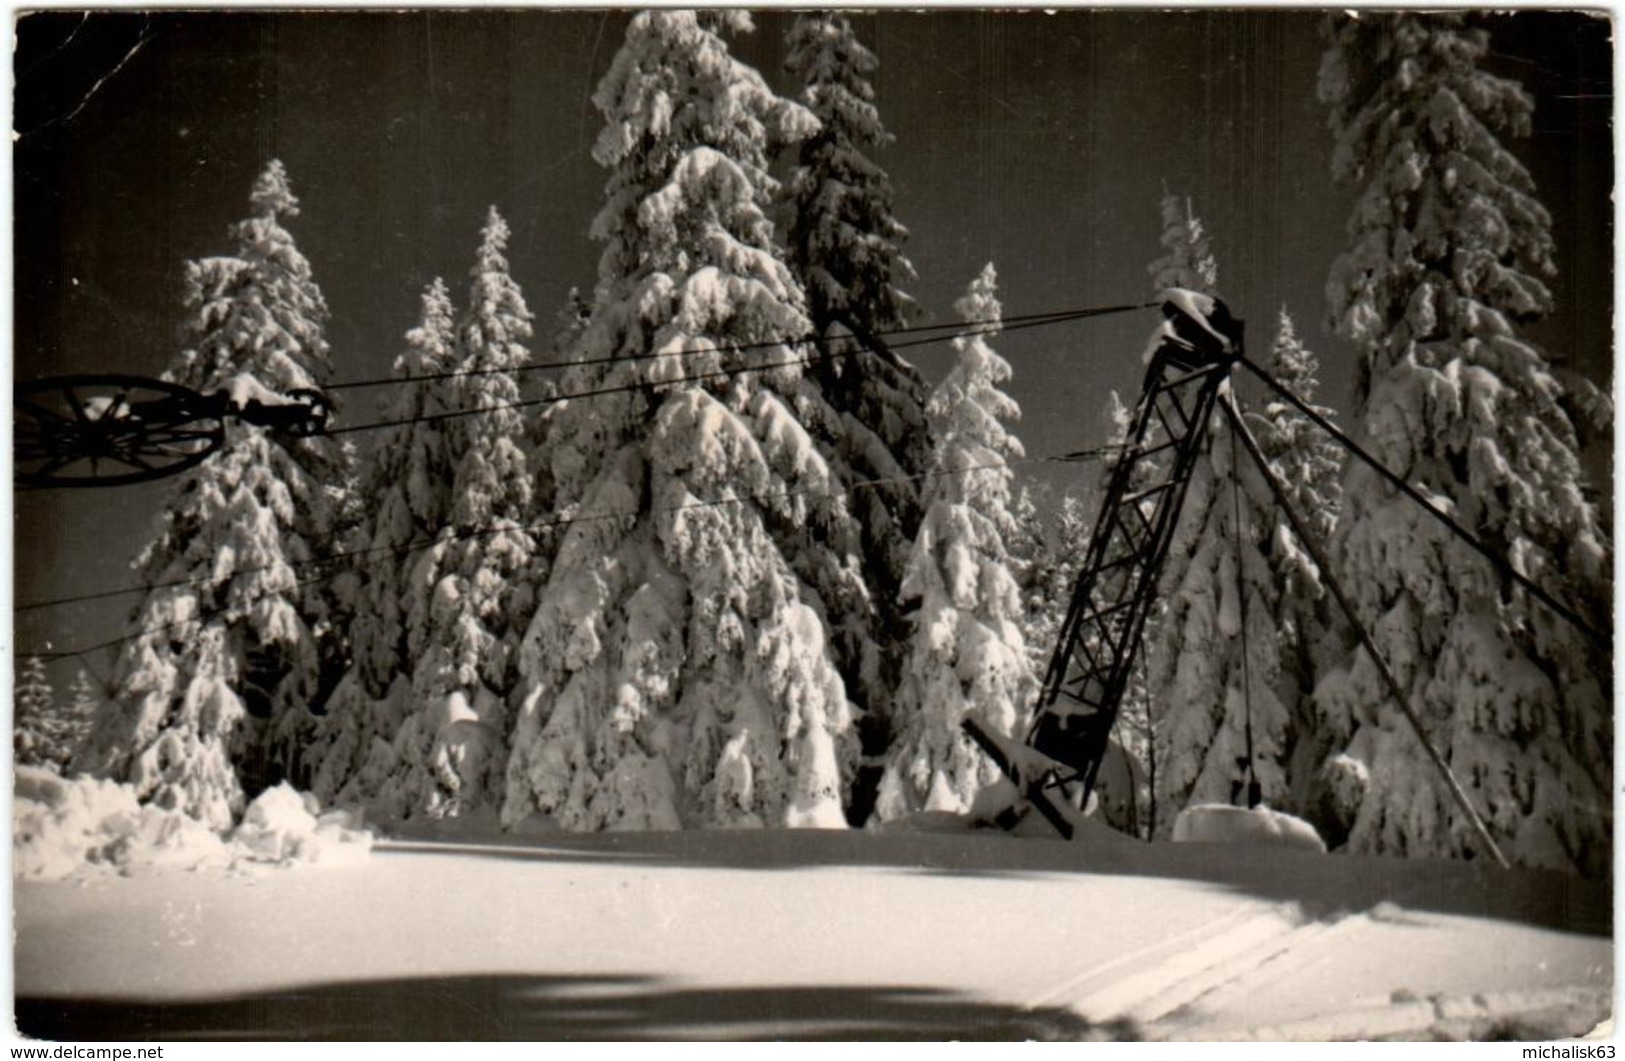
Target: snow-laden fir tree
968,655
480,574
47,731
1309,463
1214,670
407,484
1052,537
845,246
33,729
678,671
214,691
1188,260
568,323
844,240
408,496
1448,245
85,700
1220,724
442,749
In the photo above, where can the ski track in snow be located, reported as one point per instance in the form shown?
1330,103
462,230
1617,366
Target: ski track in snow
831,934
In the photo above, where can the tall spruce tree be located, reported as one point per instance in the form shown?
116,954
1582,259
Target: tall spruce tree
845,243
1047,551
481,570
85,699
1310,465
437,744
1187,260
408,484
568,323
968,654
215,690
1448,246
845,246
33,720
678,670
409,495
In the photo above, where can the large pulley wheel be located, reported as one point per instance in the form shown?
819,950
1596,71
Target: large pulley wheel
108,430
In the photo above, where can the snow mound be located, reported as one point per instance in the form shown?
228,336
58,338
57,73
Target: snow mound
994,801
284,825
60,827
1218,823
63,828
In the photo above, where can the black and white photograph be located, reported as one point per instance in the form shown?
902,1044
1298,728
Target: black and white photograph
1088,524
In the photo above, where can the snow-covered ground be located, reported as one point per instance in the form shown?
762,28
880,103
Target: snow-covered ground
904,933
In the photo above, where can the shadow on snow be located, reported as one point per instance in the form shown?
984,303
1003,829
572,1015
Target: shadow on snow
522,1007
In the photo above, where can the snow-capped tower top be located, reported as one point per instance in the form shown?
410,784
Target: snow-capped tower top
1196,322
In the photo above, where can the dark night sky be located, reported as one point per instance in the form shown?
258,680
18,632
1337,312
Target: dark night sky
1041,142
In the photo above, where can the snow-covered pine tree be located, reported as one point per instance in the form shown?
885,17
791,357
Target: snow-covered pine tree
1188,261
465,599
409,496
677,671
568,324
845,246
968,654
408,486
1048,550
33,737
85,699
1119,419
1213,683
1448,244
1310,464
845,242
1031,558
480,574
213,693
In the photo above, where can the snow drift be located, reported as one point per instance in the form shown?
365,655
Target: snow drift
1217,823
63,828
